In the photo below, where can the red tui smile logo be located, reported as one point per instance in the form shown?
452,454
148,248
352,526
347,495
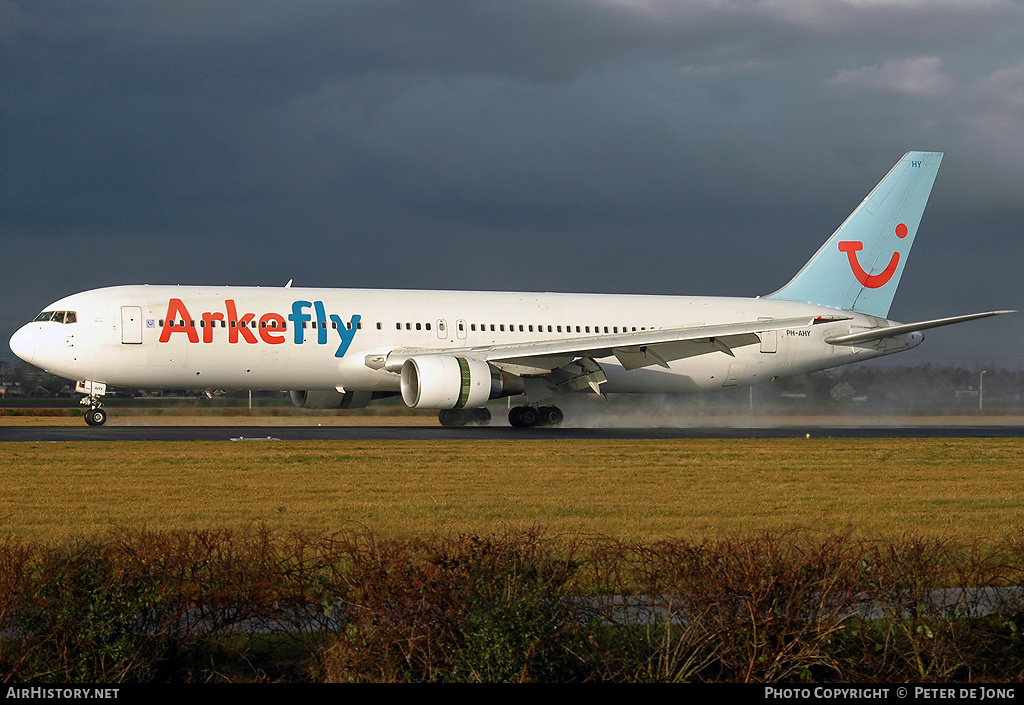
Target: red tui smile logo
872,281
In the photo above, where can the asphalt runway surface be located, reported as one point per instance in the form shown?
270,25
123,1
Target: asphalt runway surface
438,433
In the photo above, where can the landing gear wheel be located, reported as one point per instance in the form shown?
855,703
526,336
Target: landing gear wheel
464,417
96,417
551,416
530,416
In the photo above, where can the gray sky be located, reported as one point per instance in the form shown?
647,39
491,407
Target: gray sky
704,147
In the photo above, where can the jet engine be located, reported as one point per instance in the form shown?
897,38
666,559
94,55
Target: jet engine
450,382
330,399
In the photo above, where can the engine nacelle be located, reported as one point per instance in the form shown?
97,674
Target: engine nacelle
330,399
447,382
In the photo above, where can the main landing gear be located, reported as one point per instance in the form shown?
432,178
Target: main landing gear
532,416
464,417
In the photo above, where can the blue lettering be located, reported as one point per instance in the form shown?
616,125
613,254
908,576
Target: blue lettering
346,333
297,317
321,323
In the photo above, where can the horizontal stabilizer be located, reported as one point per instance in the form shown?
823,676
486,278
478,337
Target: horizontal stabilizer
892,331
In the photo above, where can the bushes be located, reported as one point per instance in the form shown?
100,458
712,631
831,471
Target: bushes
458,609
265,605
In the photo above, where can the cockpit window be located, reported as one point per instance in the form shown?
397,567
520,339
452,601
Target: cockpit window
58,317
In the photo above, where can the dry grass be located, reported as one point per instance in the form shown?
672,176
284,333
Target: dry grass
631,490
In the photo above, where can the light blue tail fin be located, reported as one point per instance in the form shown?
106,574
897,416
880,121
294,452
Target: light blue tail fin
859,267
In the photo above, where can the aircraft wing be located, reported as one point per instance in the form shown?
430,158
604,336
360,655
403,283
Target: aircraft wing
891,331
633,350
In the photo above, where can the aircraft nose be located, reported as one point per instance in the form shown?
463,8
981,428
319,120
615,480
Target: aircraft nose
23,343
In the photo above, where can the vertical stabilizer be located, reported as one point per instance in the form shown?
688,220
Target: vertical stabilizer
859,267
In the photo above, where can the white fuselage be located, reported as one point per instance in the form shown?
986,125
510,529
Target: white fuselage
322,339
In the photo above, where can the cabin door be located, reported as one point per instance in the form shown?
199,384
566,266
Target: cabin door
131,325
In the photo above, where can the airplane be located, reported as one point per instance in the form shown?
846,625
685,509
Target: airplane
455,351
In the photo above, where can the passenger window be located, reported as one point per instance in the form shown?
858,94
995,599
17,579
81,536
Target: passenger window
418,326
428,326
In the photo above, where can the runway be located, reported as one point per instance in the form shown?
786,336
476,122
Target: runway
249,433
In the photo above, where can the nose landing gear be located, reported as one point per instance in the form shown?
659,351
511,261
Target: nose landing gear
95,415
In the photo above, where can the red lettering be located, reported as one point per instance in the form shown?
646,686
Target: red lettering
240,328
238,325
270,335
176,308
208,319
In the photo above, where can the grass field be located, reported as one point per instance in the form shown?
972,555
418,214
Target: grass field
626,489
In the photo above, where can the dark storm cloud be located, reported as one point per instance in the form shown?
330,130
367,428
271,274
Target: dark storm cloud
669,147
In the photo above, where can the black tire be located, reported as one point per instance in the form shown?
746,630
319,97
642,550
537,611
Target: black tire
528,416
481,417
96,417
458,417
552,416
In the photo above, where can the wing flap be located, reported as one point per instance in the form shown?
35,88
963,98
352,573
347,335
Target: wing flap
636,356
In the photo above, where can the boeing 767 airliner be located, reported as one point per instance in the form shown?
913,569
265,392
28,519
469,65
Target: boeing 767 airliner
456,350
